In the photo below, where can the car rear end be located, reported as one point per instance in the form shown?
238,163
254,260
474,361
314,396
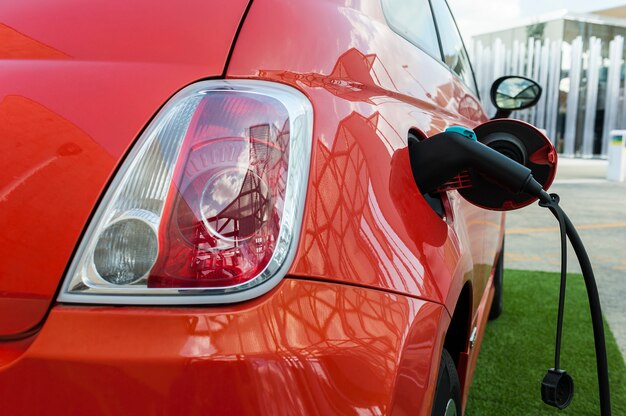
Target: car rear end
168,240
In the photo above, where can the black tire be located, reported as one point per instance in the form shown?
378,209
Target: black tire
448,393
498,282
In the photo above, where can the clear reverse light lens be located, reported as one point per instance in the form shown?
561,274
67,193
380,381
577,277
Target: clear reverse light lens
207,206
126,250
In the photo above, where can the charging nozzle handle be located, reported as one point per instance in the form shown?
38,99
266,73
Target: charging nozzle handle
440,157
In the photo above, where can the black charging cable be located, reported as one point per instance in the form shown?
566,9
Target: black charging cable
557,387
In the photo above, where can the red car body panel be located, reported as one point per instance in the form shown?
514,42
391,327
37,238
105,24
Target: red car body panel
366,222
358,324
71,104
362,350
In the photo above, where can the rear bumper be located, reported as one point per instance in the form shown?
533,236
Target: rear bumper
304,348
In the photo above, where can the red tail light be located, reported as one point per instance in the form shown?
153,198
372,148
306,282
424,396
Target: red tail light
223,212
218,183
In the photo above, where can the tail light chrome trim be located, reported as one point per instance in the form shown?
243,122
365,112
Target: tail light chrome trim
83,283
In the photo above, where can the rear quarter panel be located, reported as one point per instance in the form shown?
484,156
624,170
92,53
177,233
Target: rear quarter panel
366,223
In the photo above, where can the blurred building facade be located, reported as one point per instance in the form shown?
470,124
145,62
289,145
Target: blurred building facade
578,59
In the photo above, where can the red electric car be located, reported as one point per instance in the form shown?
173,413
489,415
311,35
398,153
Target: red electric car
207,207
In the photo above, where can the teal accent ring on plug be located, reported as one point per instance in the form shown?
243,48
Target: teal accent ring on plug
469,133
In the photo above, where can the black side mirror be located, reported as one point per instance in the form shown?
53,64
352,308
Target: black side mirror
514,93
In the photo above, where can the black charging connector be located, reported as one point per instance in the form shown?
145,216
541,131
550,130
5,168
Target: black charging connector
557,388
459,152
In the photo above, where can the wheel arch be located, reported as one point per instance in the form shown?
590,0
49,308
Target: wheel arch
457,336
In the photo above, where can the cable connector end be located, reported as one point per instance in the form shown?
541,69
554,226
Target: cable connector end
557,388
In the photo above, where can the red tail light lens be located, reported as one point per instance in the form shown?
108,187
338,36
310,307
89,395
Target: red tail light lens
217,183
223,213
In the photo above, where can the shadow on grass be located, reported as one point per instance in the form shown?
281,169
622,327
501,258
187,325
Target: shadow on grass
518,349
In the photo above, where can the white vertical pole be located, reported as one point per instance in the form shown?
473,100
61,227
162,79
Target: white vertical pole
620,118
552,93
542,79
535,77
515,58
521,69
498,59
528,72
531,54
507,62
496,64
521,61
593,68
572,98
612,90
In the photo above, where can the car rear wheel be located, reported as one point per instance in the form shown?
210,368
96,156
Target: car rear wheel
498,281
448,393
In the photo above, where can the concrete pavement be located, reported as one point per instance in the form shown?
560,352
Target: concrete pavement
597,208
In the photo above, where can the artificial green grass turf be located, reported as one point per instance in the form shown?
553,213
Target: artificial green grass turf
518,348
